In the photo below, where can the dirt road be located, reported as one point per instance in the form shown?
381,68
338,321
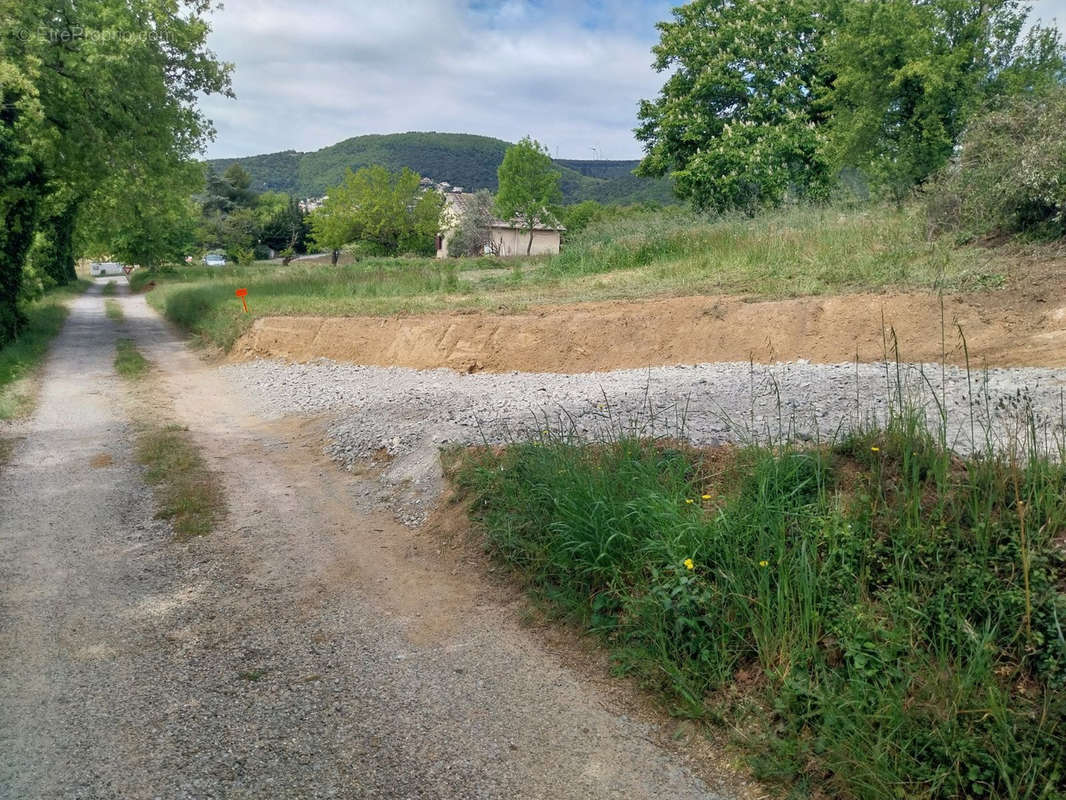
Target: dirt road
305,649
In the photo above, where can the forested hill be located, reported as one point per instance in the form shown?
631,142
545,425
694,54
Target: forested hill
458,158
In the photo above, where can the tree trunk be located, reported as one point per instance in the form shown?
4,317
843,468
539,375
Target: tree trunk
19,224
529,247
333,258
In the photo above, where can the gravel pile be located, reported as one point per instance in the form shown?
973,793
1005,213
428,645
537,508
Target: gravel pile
397,411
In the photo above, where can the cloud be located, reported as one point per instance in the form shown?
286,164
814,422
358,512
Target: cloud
569,74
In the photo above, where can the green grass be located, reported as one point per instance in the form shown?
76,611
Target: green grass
113,309
129,363
109,289
18,360
797,251
186,491
882,618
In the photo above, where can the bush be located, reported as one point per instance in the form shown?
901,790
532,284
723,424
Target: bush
1010,173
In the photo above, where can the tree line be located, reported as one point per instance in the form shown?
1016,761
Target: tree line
773,100
99,127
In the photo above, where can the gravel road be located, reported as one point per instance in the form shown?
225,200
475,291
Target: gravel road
306,648
410,414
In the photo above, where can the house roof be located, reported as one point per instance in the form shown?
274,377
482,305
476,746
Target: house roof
460,202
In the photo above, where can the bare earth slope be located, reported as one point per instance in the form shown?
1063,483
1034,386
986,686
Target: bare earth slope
305,649
1001,328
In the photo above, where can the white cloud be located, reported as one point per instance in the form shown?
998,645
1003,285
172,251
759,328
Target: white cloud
309,76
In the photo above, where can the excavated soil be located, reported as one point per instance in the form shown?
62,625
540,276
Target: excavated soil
1023,327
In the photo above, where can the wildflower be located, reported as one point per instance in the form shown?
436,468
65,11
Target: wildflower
764,563
875,449
690,564
689,501
705,497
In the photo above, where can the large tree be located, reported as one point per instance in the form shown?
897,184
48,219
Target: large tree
98,89
389,209
909,76
737,122
529,187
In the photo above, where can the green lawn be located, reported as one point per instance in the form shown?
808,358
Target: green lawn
798,251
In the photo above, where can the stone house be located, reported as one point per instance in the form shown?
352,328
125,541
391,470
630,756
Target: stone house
507,238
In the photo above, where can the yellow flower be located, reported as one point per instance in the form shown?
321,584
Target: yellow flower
689,564
705,497
689,500
875,449
764,563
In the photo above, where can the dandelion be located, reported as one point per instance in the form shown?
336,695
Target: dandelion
690,564
705,497
875,449
689,501
764,563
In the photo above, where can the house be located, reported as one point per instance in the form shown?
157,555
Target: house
504,238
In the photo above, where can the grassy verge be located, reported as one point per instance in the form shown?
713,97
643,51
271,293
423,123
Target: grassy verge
881,618
19,359
109,289
113,309
129,363
798,251
186,491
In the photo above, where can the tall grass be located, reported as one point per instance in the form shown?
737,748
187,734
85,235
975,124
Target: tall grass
896,612
796,251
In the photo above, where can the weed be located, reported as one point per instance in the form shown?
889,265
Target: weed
129,363
186,491
113,309
109,289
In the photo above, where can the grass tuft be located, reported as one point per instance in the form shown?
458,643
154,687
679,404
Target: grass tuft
187,492
109,289
113,309
129,363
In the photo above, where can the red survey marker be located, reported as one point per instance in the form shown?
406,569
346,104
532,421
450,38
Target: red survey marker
243,293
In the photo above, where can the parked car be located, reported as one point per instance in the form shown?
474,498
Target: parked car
215,260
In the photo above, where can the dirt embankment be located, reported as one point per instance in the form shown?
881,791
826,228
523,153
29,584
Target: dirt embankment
1001,329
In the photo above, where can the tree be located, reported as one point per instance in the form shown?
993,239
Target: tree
737,123
286,230
529,187
909,76
472,233
375,205
96,89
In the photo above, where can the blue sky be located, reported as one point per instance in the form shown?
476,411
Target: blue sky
568,73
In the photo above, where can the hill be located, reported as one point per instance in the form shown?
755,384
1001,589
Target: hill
458,158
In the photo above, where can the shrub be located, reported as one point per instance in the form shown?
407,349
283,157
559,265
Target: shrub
1010,172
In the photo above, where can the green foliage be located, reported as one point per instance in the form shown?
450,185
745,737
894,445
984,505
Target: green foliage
129,363
735,124
375,205
460,159
908,77
1010,173
529,187
84,113
894,609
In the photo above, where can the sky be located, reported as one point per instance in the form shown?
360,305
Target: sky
569,74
